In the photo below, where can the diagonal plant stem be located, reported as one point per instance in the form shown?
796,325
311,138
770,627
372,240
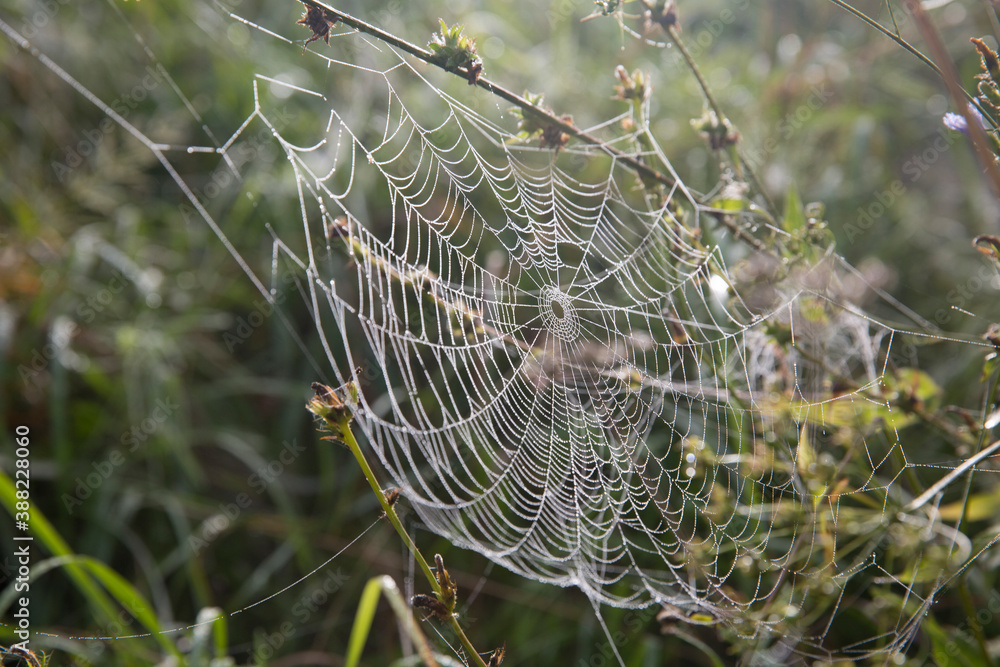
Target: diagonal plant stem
337,418
896,37
938,486
501,92
958,94
638,166
846,6
675,36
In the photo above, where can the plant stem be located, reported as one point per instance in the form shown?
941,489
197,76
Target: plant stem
515,99
896,37
938,486
846,6
633,163
675,36
970,612
342,429
958,94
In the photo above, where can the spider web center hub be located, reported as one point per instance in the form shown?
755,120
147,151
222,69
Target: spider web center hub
559,313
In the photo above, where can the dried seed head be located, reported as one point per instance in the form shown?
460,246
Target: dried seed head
988,57
497,656
449,590
331,406
663,14
431,605
554,136
316,20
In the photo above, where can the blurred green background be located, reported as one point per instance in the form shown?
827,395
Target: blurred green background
166,409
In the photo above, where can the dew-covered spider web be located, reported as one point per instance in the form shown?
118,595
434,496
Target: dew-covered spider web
587,375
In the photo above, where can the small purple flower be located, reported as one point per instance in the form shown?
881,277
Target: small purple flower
954,121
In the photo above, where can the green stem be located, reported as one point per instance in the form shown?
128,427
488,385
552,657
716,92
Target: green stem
970,612
958,94
894,36
675,36
344,432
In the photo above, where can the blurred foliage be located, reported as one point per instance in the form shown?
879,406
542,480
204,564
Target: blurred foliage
165,404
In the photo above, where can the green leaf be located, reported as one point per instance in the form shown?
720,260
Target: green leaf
735,205
990,366
795,217
950,646
805,455
50,538
813,310
363,620
980,507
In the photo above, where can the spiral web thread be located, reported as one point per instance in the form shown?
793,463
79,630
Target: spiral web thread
562,372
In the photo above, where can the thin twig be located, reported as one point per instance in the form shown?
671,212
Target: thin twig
675,35
846,6
550,119
958,94
896,37
633,163
938,486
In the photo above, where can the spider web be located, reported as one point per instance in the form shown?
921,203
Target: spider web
586,378
563,375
